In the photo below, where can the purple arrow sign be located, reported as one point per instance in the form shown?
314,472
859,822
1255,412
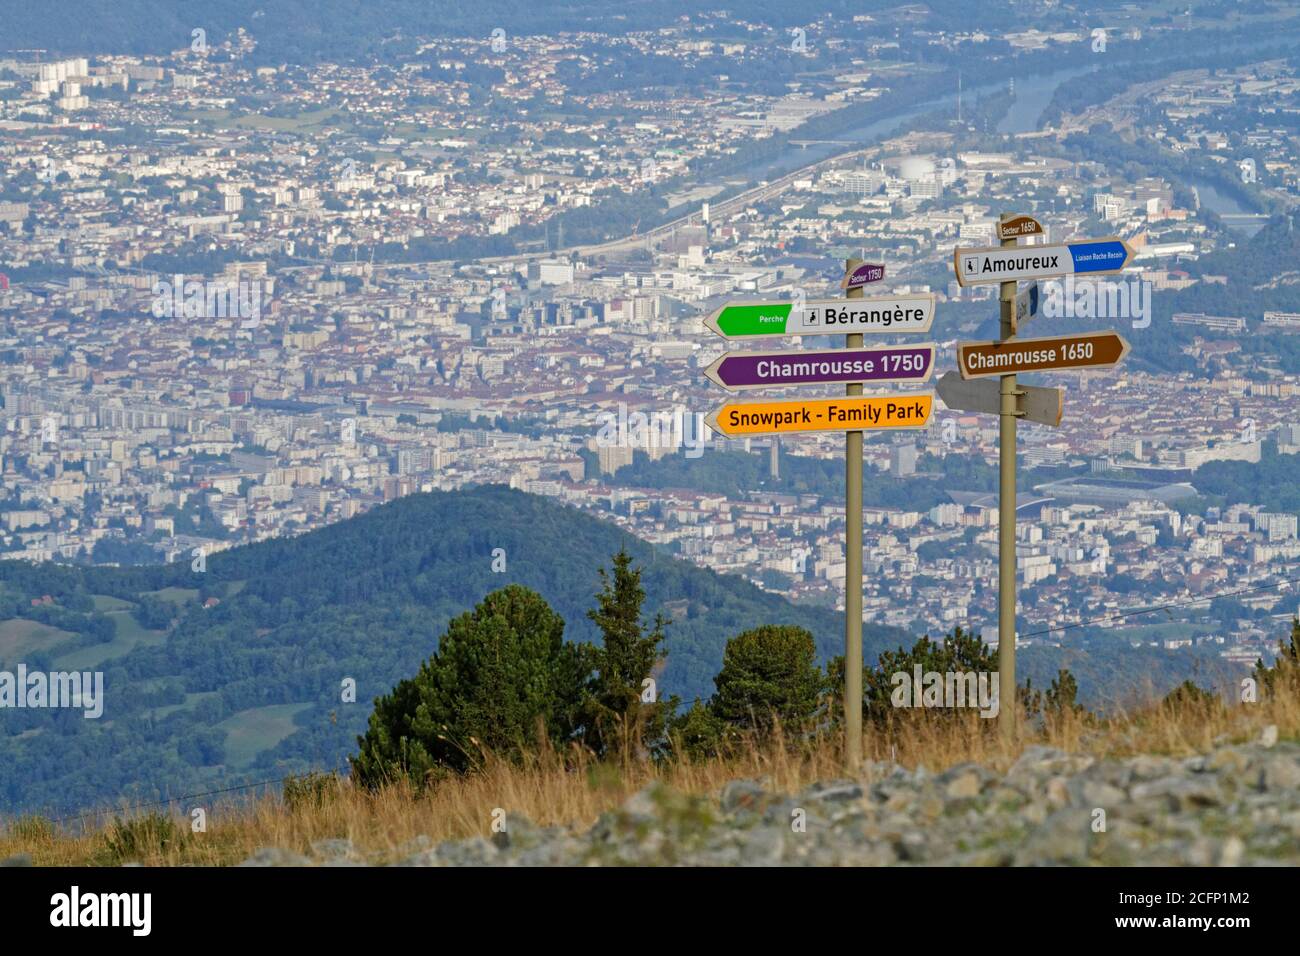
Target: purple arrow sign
893,363
866,273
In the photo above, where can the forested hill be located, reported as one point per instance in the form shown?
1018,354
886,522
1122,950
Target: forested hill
250,686
413,564
234,673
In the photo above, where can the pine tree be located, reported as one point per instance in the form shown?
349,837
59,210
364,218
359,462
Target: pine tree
1189,695
1063,694
961,651
1061,697
768,675
697,733
624,714
1287,665
502,678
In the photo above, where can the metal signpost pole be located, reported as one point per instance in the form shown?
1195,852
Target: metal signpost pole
854,316
1007,523
853,569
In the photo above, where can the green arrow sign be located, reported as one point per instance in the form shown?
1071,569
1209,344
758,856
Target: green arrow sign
891,313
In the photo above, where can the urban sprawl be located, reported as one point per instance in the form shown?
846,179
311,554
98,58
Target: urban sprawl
213,331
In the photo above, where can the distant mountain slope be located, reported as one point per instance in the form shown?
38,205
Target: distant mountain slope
433,556
307,30
259,672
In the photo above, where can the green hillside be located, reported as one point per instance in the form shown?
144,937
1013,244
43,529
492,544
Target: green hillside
364,599
202,694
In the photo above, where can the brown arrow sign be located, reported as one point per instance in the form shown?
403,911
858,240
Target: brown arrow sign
1035,404
1054,354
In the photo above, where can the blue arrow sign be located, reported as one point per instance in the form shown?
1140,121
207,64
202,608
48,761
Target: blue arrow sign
1103,255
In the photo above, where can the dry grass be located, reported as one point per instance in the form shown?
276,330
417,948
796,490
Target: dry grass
573,790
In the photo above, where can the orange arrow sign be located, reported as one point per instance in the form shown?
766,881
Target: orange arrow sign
849,414
1084,350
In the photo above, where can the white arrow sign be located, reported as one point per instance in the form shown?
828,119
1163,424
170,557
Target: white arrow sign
1009,263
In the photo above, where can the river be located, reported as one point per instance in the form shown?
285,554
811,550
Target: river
1033,92
1225,205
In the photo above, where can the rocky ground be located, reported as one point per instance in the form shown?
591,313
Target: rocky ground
1237,805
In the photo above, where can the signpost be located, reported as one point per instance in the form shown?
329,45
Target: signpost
892,313
1052,354
853,316
896,363
966,389
853,554
1042,405
1009,262
852,414
1007,412
1005,265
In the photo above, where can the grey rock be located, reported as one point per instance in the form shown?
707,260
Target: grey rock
965,781
1147,767
781,812
1083,792
476,851
1280,772
1237,805
1179,792
1194,764
742,796
1232,852
425,858
763,846
1061,839
417,844
554,851
1038,763
911,846
718,856
836,791
518,832
1232,760
644,803
965,786
333,849
275,856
